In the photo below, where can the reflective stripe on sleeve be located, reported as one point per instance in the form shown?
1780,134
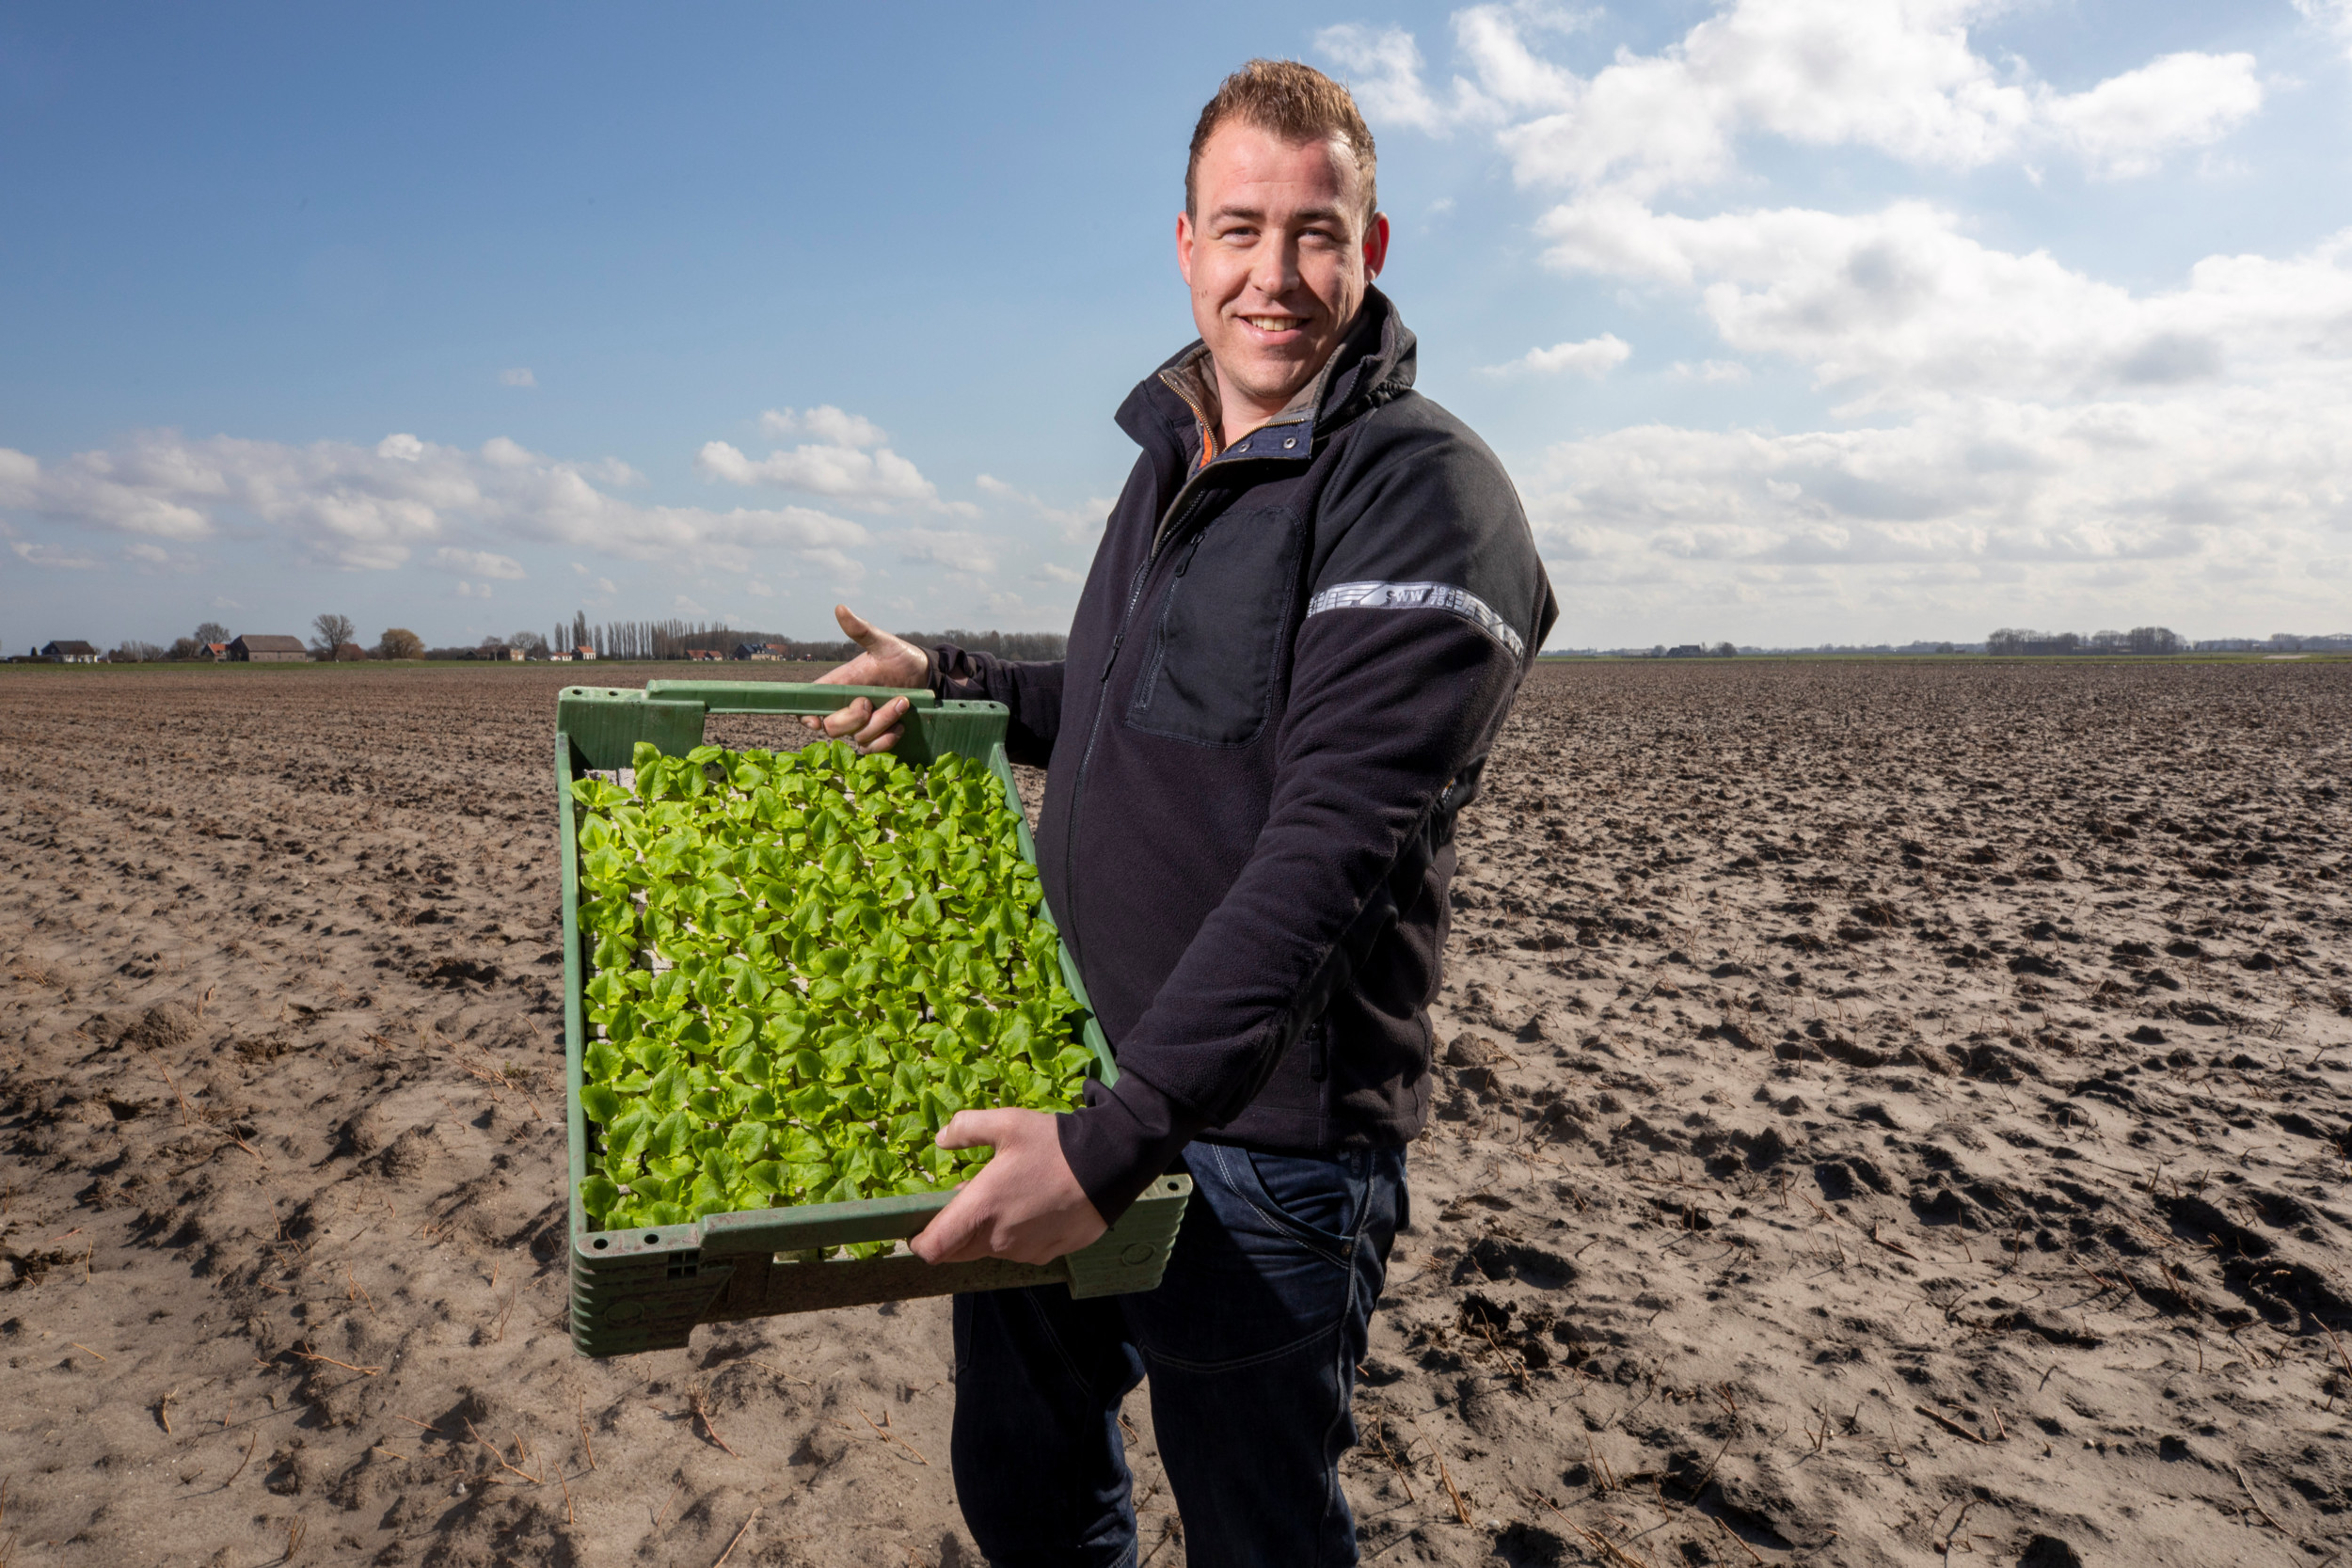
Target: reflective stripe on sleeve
1421,595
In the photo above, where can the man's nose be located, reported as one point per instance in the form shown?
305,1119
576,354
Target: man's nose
1274,270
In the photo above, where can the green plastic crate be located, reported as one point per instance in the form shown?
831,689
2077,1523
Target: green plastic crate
645,1290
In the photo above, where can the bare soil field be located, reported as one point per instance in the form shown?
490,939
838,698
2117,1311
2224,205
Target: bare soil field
1891,1114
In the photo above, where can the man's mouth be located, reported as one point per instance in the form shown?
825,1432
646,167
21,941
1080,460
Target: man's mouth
1275,323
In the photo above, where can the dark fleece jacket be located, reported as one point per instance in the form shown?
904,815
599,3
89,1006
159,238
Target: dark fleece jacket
1282,680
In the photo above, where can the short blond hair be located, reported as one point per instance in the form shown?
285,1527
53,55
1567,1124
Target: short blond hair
1294,102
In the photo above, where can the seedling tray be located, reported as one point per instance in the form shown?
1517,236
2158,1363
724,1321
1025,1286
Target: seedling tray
647,1289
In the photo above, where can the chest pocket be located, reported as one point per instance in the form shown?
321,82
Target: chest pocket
1221,632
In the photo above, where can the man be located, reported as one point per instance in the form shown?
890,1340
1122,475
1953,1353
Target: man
1309,615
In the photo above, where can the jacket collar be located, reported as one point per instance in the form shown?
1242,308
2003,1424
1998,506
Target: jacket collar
1172,410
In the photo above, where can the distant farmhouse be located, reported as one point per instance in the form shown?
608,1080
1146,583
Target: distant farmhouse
759,650
216,652
583,654
256,648
67,651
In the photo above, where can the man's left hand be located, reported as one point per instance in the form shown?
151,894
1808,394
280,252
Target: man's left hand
1024,1205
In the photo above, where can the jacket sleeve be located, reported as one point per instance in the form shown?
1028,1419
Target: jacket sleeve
1031,688
1401,675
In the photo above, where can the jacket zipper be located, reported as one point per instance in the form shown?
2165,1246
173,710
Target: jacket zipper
1169,525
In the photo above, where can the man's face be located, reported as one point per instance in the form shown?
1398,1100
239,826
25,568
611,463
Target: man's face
1278,258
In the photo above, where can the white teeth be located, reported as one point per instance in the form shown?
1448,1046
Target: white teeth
1271,323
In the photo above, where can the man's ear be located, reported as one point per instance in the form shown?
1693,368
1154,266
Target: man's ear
1376,245
1184,246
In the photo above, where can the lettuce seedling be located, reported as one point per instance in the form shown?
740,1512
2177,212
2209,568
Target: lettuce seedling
804,962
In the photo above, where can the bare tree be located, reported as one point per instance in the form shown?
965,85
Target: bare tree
529,642
333,632
212,631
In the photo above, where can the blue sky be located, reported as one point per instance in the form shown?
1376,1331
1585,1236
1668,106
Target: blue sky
1794,320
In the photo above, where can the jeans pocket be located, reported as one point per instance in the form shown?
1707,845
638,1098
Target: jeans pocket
1318,1198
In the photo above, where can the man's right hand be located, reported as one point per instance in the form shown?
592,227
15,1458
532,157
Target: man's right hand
886,660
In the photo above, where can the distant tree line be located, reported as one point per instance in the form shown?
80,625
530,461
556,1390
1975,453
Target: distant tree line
335,638
656,639
2013,641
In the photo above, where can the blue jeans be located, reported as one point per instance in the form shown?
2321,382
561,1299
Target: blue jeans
1252,1344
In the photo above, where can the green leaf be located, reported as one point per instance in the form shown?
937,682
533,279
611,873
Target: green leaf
670,1135
599,1197
631,1132
748,1140
600,1104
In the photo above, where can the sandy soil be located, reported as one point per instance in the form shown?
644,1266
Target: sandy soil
1893,1114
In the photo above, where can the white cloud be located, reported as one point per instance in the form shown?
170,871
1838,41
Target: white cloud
1384,67
2037,437
829,424
154,555
480,563
2334,15
517,377
471,591
1048,572
360,507
1902,78
1901,305
1383,71
878,478
2037,432
959,552
1594,358
52,556
2204,505
849,462
2125,124
1074,522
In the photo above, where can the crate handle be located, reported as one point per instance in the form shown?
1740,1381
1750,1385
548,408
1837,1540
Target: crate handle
805,697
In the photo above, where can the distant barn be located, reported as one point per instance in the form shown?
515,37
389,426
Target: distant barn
759,650
264,649
68,651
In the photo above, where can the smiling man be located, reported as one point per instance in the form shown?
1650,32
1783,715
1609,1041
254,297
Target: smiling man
1309,613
